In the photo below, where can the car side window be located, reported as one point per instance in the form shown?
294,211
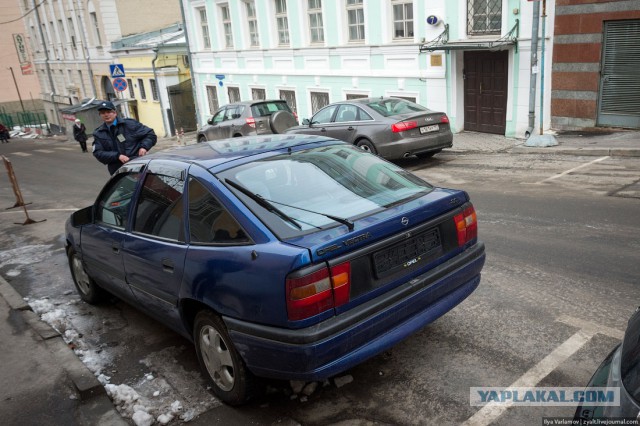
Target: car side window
231,113
346,113
112,207
218,117
160,210
363,115
324,115
209,221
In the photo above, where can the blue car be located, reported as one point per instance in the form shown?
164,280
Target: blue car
280,256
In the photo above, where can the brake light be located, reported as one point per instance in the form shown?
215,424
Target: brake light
318,291
403,126
466,225
295,116
444,118
251,122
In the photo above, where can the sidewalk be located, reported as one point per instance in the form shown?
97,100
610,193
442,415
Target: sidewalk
615,143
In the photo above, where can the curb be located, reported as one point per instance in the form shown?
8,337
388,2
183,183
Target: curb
95,407
594,152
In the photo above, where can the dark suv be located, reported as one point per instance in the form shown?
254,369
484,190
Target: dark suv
248,118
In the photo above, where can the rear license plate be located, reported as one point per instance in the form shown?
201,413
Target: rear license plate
427,129
405,254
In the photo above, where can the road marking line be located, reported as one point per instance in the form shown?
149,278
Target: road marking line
46,151
490,412
21,154
41,210
559,175
591,327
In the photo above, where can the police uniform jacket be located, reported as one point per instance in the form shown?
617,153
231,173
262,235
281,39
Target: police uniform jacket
126,137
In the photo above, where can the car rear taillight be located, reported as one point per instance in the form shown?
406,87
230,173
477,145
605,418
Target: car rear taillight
295,115
467,225
403,126
251,122
444,118
318,291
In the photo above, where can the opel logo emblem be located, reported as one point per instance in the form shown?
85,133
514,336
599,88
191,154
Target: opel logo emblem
404,221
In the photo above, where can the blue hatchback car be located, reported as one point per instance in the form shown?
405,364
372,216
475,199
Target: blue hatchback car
287,256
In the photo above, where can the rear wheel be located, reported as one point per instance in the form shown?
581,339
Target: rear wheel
202,139
424,155
366,145
89,291
220,360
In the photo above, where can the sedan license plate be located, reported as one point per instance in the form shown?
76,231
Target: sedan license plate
427,129
412,251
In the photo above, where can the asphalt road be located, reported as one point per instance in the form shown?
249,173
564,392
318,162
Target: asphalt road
560,282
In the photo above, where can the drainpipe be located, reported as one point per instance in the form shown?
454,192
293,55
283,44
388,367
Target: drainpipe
534,65
155,76
191,72
85,49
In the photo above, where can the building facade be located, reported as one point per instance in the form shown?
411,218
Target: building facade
71,41
596,63
469,58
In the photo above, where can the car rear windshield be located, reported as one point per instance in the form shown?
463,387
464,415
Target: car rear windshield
395,106
338,180
267,108
630,364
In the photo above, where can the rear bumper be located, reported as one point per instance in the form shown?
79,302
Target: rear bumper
337,344
415,145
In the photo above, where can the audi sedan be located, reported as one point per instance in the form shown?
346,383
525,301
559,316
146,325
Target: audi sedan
392,128
283,256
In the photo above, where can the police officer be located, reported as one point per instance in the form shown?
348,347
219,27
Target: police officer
119,140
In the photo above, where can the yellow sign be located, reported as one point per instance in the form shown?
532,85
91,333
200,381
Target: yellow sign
436,60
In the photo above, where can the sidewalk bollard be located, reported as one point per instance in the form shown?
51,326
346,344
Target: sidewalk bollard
16,190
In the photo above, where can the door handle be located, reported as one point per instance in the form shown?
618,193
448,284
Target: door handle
350,128
323,130
167,266
115,247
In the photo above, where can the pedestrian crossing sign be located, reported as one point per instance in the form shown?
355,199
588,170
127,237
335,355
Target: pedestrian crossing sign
117,70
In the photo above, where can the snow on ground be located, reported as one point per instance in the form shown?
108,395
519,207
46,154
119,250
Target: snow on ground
167,393
25,255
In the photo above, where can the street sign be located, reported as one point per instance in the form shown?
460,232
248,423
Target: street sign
120,84
117,70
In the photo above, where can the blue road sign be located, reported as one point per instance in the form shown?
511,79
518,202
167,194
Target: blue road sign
120,84
117,70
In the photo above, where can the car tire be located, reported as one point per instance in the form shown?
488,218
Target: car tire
280,121
425,155
89,291
201,139
367,145
220,360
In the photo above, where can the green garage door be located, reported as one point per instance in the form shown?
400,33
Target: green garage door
619,97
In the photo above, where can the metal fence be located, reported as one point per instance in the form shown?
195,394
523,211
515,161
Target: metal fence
25,119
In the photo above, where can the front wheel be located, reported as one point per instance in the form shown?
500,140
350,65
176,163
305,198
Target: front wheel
202,139
220,360
366,145
89,291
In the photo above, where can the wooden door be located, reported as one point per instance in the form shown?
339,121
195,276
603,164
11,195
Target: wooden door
485,91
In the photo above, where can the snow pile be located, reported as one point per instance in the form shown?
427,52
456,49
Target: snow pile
24,256
131,404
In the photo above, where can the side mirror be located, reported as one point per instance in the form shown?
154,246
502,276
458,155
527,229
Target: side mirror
82,217
306,122
210,121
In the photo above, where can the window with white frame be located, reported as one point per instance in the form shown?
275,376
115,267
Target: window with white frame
406,98
290,97
143,93
319,100
212,98
484,17
72,32
252,19
402,19
154,89
316,28
282,22
258,94
204,28
132,95
226,26
355,20
96,30
351,96
81,80
234,94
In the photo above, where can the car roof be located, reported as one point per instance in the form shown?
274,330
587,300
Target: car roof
238,150
253,102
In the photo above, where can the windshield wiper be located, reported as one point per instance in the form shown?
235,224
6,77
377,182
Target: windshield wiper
346,222
264,203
